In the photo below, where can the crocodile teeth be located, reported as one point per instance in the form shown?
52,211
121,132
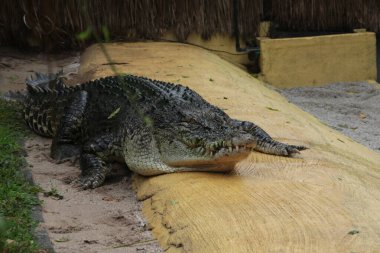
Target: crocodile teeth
230,149
237,148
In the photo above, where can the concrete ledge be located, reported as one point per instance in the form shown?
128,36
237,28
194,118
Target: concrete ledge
309,61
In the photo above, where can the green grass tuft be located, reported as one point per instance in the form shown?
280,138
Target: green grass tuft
17,196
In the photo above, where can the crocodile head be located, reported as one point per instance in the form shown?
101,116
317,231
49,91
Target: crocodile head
204,143
218,155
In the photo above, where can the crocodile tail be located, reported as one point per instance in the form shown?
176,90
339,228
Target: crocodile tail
17,97
36,84
45,82
44,102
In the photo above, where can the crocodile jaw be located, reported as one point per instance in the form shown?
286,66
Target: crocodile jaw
223,160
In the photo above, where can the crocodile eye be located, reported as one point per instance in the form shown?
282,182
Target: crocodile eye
191,120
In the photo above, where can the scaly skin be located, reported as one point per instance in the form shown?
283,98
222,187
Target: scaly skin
154,127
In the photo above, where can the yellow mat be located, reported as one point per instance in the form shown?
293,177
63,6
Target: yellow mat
325,200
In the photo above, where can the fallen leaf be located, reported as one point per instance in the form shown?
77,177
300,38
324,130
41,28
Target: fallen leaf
114,113
362,115
62,239
108,198
272,109
353,232
90,241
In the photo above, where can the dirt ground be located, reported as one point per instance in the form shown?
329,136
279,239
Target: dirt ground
107,219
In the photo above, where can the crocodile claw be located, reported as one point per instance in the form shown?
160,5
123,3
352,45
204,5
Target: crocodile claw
289,150
89,181
93,181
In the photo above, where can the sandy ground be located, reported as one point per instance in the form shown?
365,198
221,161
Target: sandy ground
107,219
351,108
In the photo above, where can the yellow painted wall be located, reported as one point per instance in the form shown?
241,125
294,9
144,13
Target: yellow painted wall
310,61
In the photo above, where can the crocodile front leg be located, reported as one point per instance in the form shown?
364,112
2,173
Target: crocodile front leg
93,161
66,142
94,170
265,143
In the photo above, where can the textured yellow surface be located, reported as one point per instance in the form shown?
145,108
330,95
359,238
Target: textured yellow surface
316,202
310,61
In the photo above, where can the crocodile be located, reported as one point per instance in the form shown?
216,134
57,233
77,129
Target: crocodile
153,126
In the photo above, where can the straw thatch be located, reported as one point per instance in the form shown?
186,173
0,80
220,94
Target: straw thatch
51,24
325,15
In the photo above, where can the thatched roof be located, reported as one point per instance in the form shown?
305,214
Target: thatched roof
325,15
52,24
